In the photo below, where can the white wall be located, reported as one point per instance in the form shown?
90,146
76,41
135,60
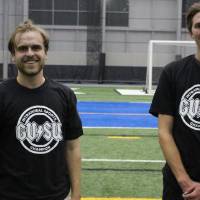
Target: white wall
124,46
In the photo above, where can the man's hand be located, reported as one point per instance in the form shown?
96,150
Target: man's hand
192,191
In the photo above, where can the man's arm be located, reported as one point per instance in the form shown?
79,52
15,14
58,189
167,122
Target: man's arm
73,159
171,152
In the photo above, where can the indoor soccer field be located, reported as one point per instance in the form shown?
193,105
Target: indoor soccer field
121,157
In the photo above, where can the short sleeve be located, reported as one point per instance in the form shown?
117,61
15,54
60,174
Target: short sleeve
164,97
73,126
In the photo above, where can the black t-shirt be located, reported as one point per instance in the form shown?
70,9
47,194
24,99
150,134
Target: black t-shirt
178,95
34,125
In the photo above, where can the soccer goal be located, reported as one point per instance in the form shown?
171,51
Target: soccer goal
160,53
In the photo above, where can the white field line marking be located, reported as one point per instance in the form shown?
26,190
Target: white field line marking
107,113
117,198
113,127
119,160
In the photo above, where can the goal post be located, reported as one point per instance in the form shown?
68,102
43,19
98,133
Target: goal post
150,54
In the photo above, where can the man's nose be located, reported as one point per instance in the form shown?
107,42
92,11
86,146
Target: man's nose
29,51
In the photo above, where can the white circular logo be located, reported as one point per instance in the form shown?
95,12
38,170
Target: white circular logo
189,108
39,129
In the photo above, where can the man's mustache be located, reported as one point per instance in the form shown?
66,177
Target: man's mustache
29,58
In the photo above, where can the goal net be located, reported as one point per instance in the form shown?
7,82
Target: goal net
160,53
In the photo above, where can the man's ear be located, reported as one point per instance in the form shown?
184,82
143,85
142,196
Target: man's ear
13,58
192,36
46,56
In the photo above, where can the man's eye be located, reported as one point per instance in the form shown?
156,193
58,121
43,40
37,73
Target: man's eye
36,47
22,48
25,48
197,25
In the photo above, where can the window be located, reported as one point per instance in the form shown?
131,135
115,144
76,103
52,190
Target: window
78,12
117,13
40,11
89,12
186,4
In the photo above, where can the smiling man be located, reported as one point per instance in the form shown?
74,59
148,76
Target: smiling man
30,54
40,126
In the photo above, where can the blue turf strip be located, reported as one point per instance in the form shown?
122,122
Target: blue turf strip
113,107
116,114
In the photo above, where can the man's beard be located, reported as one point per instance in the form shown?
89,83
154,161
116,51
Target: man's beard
30,73
21,66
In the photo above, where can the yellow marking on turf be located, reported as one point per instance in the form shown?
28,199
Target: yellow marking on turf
116,198
124,137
